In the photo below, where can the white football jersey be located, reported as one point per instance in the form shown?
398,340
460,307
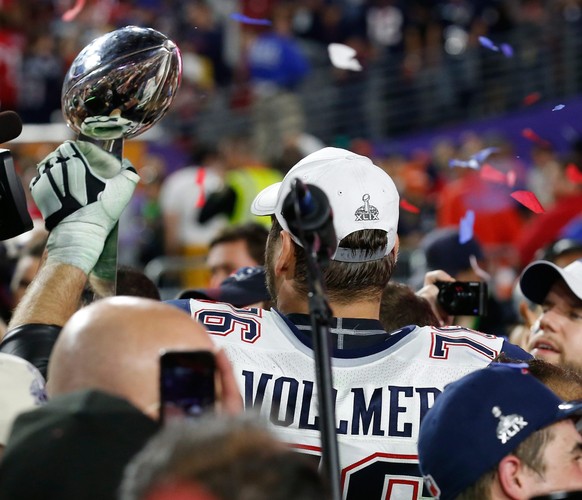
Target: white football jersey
380,397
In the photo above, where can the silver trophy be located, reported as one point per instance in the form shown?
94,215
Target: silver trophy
119,86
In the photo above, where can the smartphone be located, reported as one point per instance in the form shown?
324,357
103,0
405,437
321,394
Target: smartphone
187,384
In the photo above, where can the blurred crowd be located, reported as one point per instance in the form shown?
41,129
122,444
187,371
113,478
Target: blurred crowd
401,45
201,230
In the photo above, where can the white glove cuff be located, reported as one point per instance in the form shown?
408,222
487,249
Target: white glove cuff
76,243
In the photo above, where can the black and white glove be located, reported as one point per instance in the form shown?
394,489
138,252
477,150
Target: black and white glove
106,128
81,192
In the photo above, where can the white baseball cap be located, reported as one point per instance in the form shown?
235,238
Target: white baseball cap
361,196
22,388
537,279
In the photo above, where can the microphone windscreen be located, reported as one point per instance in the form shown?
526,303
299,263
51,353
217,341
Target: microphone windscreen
10,126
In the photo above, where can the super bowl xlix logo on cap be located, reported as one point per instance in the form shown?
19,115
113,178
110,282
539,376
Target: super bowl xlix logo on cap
508,425
367,211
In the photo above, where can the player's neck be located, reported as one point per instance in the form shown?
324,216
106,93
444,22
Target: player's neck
369,309
362,309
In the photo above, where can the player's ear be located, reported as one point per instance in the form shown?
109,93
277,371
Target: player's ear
511,474
285,262
396,248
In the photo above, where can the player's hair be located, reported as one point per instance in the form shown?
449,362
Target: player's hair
400,306
565,382
253,234
531,454
229,458
346,281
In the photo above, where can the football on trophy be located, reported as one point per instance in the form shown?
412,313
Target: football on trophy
121,84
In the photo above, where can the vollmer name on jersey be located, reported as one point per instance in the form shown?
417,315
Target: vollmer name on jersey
381,411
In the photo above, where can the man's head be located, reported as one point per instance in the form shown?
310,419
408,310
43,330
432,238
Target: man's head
114,345
443,249
220,458
401,307
364,202
244,288
557,335
75,446
499,433
563,251
236,247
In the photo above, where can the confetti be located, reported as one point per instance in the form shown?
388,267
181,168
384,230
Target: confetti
489,173
570,133
241,18
530,135
200,177
488,44
506,49
574,174
511,178
532,98
409,207
482,155
475,160
343,57
466,227
559,107
474,164
528,200
73,12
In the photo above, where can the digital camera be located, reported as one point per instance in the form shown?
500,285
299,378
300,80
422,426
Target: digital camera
463,298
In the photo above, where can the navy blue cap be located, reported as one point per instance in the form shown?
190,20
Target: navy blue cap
480,419
443,250
246,286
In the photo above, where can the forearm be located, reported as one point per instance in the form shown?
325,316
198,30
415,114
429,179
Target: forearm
81,191
52,297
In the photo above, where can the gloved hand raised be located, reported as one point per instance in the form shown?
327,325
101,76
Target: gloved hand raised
81,192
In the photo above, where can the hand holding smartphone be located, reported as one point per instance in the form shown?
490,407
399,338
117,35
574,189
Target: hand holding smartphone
187,384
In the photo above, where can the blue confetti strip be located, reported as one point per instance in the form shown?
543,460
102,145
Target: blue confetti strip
507,50
488,44
249,20
559,107
466,227
482,155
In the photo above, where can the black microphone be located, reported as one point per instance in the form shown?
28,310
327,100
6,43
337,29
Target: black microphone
14,216
308,214
10,126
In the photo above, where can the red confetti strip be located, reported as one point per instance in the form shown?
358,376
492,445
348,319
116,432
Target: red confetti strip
530,135
573,174
532,98
73,12
409,207
200,177
489,173
511,177
528,200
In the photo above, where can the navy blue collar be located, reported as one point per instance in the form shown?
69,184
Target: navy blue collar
350,337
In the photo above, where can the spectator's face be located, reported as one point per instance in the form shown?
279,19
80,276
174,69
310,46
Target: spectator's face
558,338
225,258
562,459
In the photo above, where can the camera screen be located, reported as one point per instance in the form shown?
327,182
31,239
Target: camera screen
463,297
187,388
